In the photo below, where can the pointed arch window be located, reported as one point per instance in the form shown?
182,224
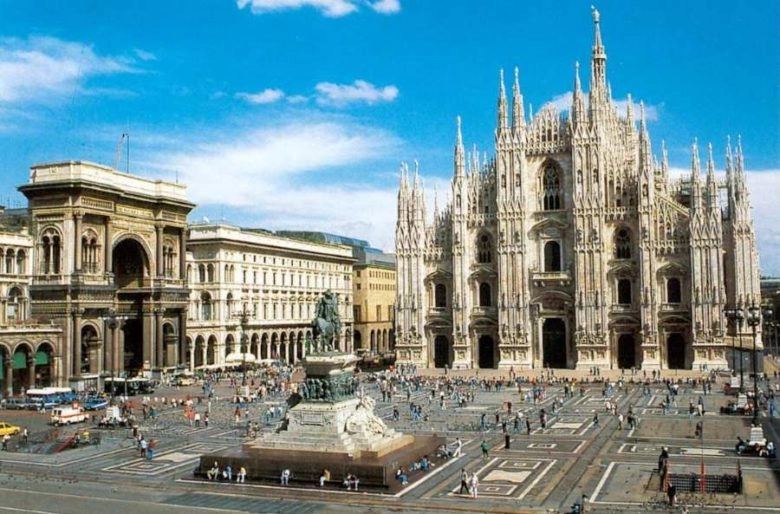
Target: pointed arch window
551,189
205,306
484,294
21,261
673,291
623,244
624,291
51,249
210,273
484,254
441,295
201,273
9,261
552,256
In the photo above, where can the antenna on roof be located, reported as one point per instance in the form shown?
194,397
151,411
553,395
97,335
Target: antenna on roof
118,155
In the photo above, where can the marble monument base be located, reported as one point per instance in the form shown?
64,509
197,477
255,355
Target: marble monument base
343,438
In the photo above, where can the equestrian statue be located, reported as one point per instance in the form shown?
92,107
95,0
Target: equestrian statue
326,326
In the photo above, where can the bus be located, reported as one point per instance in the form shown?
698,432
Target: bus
128,386
50,397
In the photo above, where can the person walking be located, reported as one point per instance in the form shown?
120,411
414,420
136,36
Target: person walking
458,448
474,485
464,481
485,449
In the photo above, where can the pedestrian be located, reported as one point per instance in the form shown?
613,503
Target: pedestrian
671,491
241,475
528,426
595,419
458,448
206,420
197,419
620,421
507,441
485,449
25,436
464,481
286,477
474,485
6,438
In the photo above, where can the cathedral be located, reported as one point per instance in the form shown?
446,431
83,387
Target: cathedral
573,248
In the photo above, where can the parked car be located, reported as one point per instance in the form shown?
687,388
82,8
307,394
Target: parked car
95,403
16,403
8,429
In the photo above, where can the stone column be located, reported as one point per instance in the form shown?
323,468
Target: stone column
148,332
183,255
9,375
76,338
77,242
109,251
159,343
31,371
182,346
159,229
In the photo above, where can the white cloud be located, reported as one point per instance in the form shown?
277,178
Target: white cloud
386,6
329,8
293,176
267,96
144,55
359,91
42,69
562,103
764,208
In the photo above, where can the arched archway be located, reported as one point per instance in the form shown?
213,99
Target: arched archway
200,350
264,346
130,264
253,346
44,372
90,350
211,350
554,343
675,351
22,377
487,352
230,345
626,351
299,347
274,352
372,348
442,352
358,340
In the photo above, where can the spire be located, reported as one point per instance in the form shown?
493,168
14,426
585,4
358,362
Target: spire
502,114
695,176
416,176
645,152
518,116
578,102
630,109
460,153
435,203
598,74
712,186
664,163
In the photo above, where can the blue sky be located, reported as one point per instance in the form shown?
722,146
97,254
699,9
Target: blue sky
296,113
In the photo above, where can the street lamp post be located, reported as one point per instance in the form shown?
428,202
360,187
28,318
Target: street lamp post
113,322
737,316
243,319
753,320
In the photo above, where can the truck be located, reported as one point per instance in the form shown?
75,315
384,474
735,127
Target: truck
68,415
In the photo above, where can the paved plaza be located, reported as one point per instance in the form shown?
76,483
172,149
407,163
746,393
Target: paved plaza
547,470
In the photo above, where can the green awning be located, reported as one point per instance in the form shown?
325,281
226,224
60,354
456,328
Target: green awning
20,360
41,358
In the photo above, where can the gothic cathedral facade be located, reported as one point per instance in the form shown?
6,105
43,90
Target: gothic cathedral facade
573,248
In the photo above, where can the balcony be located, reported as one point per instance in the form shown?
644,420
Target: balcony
444,313
551,278
484,312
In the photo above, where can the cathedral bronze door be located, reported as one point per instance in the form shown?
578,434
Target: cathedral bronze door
133,347
487,352
441,352
554,343
675,351
626,351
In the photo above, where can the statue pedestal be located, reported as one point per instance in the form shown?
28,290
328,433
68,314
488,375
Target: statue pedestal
331,430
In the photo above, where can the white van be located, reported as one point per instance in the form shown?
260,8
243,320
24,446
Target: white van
68,415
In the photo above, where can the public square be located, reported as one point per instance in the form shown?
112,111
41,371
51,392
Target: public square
547,471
